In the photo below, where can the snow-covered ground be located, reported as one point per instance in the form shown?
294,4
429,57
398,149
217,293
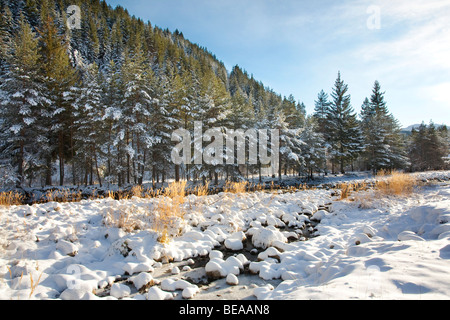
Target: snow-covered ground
233,246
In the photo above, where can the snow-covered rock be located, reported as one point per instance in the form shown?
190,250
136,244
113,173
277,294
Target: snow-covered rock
265,237
319,215
132,267
67,248
142,279
155,293
217,268
235,241
119,290
172,284
409,235
232,280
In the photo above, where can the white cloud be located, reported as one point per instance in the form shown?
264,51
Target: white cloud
439,93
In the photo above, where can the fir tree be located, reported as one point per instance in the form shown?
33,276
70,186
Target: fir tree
313,151
89,126
344,136
428,148
112,89
383,143
321,112
23,96
59,75
137,105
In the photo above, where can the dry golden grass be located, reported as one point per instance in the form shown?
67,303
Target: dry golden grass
202,190
123,219
397,183
235,187
168,210
387,184
10,198
137,191
348,188
345,190
110,194
165,216
33,284
64,195
260,187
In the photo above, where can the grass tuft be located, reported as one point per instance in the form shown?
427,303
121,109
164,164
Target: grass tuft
169,211
397,183
235,187
10,198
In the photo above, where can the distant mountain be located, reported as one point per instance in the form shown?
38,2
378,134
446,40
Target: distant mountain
415,126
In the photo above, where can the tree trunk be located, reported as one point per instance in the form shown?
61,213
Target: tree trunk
96,168
141,170
177,173
48,172
72,151
61,157
153,176
128,158
20,163
91,174
86,173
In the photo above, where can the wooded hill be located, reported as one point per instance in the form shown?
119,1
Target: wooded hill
99,104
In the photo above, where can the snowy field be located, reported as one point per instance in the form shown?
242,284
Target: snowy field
262,245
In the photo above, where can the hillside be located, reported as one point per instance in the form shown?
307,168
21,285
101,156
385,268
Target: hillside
101,104
116,62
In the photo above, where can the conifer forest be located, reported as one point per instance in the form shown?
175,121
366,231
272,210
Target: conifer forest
97,105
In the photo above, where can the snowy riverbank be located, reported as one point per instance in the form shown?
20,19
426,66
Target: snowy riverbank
270,243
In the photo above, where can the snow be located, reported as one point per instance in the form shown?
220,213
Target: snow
263,237
234,242
232,280
364,247
142,280
154,293
120,290
219,268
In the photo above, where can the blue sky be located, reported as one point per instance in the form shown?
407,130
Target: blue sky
296,46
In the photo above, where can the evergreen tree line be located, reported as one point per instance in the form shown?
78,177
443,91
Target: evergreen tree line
99,105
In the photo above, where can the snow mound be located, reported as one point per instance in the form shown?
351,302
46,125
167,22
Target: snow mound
142,279
235,241
119,290
265,237
218,268
155,293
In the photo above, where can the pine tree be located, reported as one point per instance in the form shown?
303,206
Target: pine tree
428,148
6,34
383,143
31,12
137,105
313,151
345,136
23,96
321,112
59,75
89,126
112,96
